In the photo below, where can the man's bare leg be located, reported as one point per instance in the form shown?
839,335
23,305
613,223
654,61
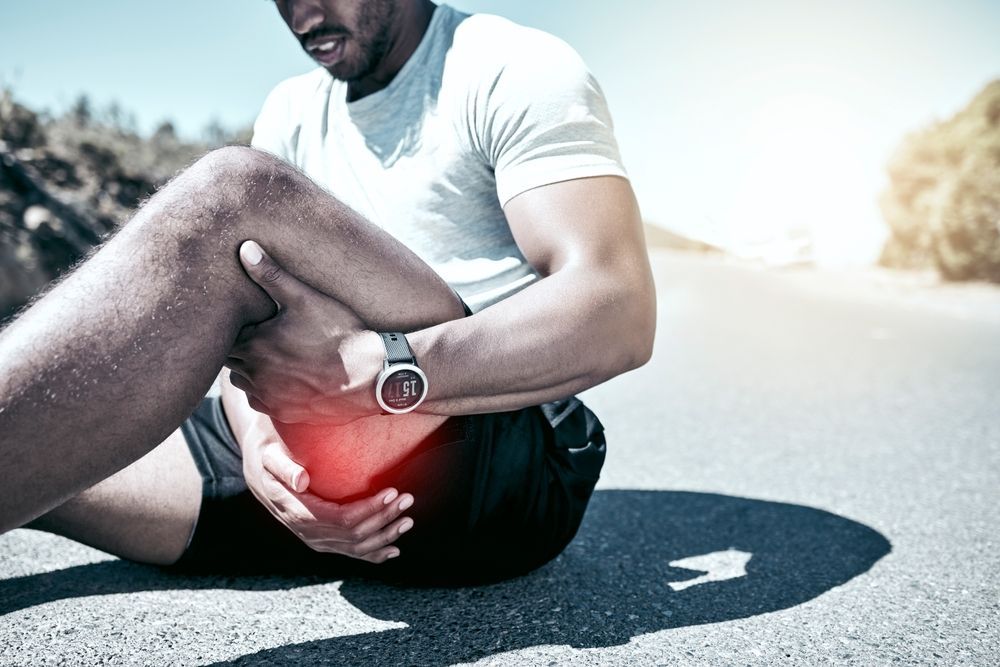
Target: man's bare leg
111,361
145,512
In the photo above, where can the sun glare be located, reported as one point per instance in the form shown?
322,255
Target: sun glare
804,178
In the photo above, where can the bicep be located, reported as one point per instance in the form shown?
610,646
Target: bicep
588,222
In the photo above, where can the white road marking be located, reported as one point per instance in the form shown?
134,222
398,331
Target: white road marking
717,566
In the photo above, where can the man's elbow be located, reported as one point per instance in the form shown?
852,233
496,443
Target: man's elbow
642,351
636,328
643,334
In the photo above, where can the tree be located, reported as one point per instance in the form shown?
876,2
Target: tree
214,133
81,111
943,202
164,134
19,126
119,119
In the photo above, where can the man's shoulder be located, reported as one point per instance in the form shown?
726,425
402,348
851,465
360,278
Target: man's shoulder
313,82
285,110
491,43
296,90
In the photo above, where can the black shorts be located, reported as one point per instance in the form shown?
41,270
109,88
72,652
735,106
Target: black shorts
497,495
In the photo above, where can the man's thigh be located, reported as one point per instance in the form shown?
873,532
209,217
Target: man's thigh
322,241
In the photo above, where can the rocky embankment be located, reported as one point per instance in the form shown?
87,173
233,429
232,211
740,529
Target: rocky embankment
68,181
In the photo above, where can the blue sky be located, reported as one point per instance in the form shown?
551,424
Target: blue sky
738,121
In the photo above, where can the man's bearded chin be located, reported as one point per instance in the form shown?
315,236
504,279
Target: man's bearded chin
370,39
373,54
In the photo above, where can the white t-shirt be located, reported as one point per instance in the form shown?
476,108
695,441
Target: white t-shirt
483,110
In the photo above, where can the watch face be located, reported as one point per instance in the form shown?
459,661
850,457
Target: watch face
402,389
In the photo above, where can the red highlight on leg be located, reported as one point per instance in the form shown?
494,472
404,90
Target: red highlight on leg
344,460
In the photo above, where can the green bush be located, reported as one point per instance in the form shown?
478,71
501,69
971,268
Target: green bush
943,201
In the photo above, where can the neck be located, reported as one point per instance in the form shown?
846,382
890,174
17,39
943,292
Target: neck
404,38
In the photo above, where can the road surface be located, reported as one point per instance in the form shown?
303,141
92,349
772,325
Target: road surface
807,472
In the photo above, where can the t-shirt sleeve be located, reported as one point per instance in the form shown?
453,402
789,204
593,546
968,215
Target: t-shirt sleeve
546,120
275,130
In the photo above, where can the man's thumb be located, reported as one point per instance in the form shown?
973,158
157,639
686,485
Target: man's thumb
276,281
277,462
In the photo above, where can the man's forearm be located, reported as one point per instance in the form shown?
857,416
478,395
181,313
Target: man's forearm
566,333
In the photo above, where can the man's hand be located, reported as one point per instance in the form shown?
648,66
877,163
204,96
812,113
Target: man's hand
364,529
314,361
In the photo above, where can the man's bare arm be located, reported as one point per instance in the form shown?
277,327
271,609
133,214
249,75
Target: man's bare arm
590,318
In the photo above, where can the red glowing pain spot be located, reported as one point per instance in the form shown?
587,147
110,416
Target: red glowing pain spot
343,460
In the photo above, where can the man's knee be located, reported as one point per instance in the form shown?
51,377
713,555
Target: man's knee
220,200
241,179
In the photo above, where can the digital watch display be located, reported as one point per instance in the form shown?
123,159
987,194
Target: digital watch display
401,385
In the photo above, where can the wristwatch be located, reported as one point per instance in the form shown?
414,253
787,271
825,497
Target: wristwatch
401,385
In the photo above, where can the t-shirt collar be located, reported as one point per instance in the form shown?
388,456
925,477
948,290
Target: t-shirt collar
369,103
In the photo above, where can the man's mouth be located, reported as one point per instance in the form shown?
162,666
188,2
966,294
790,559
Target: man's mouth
326,50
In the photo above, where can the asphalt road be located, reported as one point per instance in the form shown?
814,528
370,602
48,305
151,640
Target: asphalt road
807,472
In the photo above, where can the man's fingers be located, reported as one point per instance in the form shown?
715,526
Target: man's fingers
235,363
379,520
240,382
279,284
322,524
245,335
353,513
382,555
383,538
287,502
277,462
378,556
258,405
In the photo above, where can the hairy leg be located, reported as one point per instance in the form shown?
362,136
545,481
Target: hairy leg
148,321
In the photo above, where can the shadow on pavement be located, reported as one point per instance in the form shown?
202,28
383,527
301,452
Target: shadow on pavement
611,584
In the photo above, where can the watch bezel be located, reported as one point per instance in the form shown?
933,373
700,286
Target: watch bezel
386,373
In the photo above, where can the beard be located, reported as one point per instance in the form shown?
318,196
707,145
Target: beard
367,43
374,22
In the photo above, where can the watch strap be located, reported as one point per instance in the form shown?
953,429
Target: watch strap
397,349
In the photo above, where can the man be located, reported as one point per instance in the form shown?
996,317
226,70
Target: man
414,435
